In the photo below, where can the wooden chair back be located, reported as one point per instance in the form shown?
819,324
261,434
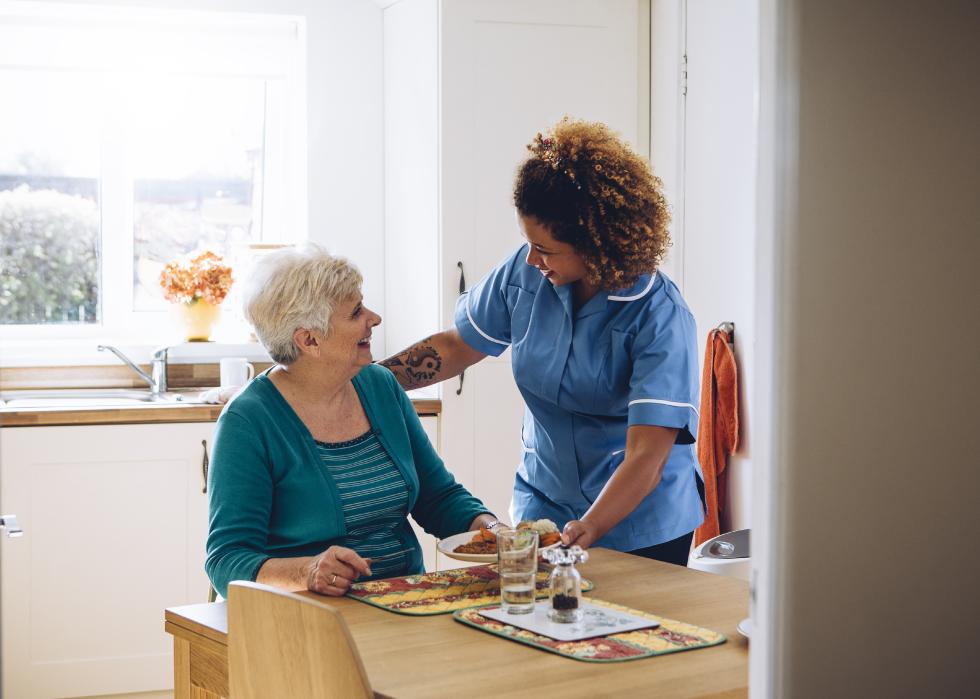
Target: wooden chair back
281,644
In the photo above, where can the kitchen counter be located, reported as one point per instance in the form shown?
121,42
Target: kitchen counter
148,413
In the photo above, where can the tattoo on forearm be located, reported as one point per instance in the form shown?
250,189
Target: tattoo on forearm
417,365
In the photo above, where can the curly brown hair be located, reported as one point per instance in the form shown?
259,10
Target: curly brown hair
592,191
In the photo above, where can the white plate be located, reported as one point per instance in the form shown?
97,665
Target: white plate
447,545
596,621
744,627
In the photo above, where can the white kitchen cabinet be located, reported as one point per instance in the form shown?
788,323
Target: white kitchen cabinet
431,557
115,525
467,85
430,424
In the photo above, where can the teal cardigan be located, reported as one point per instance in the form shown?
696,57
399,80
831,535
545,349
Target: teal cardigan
270,496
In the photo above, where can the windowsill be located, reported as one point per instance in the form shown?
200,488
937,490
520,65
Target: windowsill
83,352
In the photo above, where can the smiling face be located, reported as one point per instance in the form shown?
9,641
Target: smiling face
349,339
557,261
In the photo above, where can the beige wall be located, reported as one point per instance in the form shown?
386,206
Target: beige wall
878,479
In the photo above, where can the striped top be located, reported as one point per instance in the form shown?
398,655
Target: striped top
374,499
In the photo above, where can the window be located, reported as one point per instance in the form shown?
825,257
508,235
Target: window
139,137
50,214
196,156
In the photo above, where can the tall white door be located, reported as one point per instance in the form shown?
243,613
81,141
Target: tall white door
719,189
509,69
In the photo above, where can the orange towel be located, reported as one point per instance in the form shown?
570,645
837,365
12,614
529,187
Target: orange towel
717,429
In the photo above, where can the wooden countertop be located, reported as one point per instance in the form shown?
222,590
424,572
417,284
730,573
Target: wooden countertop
428,656
140,414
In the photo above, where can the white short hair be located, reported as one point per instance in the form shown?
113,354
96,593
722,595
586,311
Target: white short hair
296,288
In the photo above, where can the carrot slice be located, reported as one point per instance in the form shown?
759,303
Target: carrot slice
550,538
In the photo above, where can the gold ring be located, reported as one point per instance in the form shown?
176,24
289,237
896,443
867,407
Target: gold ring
333,578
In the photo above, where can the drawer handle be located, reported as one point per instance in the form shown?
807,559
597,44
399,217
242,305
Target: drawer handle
462,290
204,465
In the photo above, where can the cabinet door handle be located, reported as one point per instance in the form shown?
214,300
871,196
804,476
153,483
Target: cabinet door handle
9,522
462,290
204,465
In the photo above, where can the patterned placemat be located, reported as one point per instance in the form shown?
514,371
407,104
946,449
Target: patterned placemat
670,637
441,592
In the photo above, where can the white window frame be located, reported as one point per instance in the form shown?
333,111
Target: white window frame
123,41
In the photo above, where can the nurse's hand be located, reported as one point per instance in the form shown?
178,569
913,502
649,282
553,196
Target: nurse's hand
581,532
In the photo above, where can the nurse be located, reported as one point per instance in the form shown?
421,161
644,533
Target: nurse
602,347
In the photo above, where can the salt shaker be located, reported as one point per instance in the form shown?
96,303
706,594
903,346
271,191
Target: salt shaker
565,584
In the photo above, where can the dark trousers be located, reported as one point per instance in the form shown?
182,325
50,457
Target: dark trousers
675,551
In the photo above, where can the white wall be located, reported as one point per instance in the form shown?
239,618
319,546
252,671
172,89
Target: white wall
411,101
667,118
719,201
344,123
704,148
873,323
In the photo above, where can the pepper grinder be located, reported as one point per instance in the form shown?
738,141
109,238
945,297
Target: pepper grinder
565,583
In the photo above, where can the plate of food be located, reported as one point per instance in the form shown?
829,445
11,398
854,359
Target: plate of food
481,546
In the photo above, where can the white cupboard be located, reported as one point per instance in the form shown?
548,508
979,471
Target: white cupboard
467,85
115,524
431,426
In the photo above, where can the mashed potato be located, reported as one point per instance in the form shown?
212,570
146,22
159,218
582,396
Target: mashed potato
541,526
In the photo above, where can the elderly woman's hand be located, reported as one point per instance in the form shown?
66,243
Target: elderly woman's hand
485,521
333,571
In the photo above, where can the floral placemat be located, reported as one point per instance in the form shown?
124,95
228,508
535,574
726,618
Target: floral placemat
441,592
670,637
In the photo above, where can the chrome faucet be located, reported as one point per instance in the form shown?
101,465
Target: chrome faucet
157,378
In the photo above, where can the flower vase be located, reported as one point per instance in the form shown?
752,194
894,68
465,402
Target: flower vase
197,319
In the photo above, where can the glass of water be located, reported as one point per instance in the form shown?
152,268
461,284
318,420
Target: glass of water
517,564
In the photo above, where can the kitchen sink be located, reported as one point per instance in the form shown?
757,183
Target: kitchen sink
88,398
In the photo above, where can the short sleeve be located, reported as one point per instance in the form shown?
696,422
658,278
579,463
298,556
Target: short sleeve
664,381
483,316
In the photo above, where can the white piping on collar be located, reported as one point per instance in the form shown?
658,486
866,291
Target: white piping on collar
476,327
653,278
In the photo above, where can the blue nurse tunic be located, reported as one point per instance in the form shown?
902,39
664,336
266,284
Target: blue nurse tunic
624,358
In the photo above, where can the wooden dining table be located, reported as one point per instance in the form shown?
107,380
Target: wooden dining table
435,656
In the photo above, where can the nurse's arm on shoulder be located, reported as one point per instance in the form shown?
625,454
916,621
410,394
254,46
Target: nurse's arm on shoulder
437,358
647,450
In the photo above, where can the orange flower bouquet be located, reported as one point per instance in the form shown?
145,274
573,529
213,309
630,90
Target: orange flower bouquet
205,277
198,289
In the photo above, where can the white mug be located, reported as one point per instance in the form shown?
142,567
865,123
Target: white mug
236,371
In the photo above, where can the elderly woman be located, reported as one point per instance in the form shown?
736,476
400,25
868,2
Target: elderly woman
319,461
602,349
